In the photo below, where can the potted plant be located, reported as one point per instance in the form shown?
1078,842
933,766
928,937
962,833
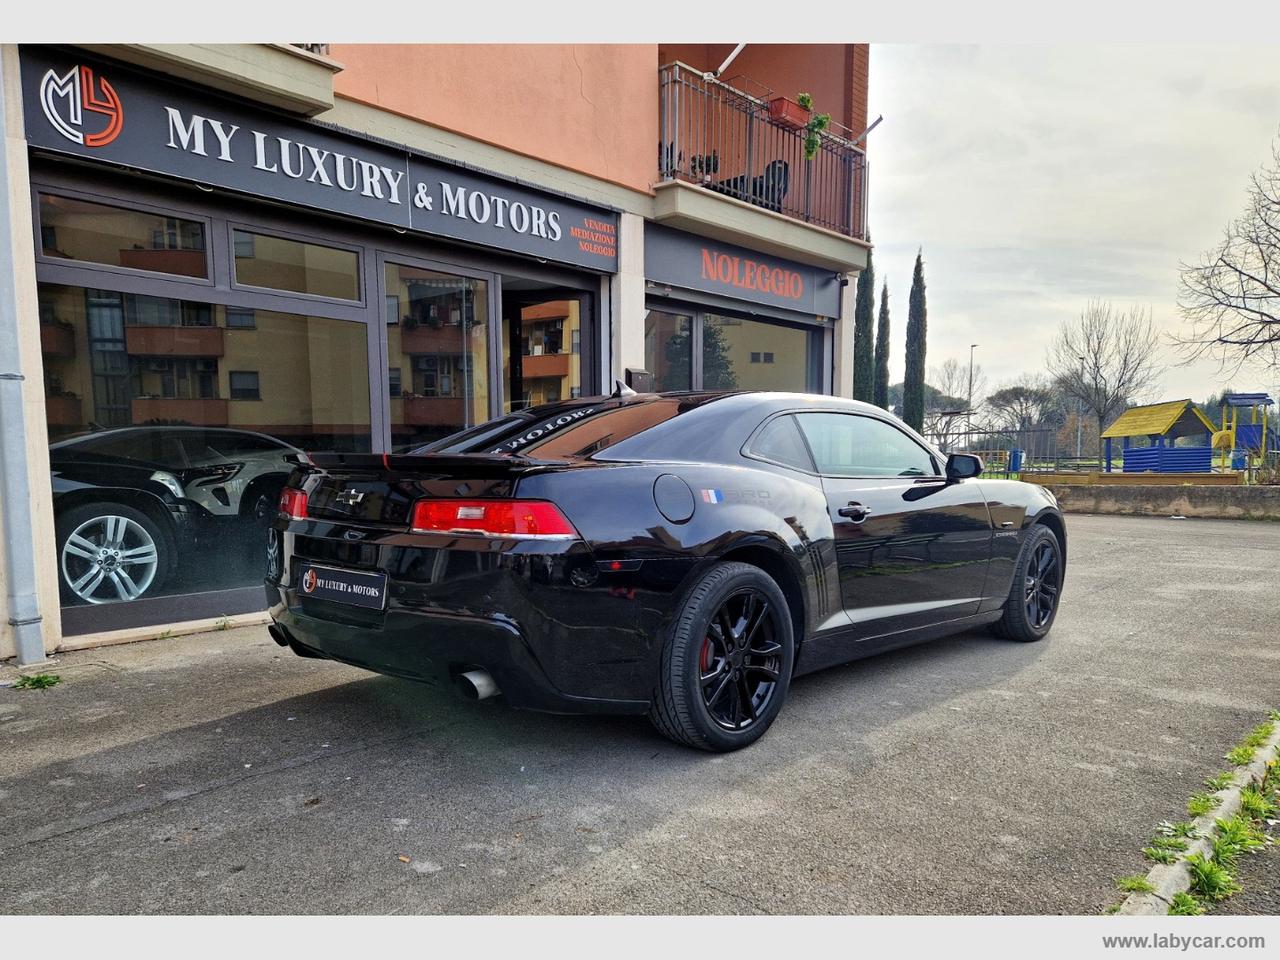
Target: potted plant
813,133
792,114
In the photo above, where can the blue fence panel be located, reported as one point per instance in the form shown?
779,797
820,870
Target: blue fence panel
1168,459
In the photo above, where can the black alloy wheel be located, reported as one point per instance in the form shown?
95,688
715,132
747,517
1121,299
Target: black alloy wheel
1042,583
740,660
726,661
1038,575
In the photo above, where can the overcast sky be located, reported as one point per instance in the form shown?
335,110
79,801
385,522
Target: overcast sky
1038,176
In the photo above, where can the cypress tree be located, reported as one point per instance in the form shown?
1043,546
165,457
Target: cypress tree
863,346
917,330
880,395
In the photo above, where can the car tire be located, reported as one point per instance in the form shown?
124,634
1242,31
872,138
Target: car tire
726,666
137,530
1026,617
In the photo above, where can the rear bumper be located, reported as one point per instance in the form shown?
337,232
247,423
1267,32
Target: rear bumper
550,645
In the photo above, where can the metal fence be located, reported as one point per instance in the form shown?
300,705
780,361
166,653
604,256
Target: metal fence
1037,446
723,139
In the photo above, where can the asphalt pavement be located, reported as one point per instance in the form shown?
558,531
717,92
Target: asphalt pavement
218,773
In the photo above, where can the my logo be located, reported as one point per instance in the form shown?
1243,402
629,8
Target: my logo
309,581
65,99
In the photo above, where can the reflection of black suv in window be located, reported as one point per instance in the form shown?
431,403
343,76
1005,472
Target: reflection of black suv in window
127,502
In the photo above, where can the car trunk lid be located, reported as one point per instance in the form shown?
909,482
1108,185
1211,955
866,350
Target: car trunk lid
381,489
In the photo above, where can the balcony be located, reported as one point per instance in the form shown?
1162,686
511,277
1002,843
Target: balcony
143,341
724,140
428,339
64,411
435,411
544,365
196,411
57,340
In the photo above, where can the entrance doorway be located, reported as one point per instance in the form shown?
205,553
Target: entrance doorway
542,343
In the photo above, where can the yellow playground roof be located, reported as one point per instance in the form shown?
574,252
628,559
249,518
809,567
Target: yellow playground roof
1178,418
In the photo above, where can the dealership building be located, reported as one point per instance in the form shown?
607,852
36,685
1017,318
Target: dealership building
223,254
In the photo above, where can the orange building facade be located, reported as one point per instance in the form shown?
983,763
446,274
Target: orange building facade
230,253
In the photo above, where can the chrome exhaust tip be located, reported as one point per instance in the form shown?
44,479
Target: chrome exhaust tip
477,685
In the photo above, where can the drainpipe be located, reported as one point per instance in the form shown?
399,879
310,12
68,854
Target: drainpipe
15,492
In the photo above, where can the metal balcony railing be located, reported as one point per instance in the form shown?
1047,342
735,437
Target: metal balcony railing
723,139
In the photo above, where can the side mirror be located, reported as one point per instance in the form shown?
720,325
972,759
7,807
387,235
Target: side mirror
961,466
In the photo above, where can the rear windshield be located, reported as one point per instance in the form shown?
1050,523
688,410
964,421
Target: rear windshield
564,432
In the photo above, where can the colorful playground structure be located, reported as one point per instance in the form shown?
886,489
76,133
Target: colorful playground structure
1243,441
1246,443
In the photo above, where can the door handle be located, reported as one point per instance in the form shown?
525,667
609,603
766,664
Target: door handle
855,512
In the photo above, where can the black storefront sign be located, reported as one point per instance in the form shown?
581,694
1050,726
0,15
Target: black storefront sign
697,263
107,112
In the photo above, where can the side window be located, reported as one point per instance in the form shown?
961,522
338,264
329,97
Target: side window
780,441
847,445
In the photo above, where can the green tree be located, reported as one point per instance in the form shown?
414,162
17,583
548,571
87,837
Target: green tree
717,365
864,370
880,394
917,332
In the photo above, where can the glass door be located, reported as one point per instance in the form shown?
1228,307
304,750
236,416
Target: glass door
543,336
438,330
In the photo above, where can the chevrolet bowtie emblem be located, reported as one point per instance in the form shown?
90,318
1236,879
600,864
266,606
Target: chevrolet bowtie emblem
350,497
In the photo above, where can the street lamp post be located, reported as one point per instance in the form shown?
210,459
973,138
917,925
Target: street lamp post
1079,413
969,419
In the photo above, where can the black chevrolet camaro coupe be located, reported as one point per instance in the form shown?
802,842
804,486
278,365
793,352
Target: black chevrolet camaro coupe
680,555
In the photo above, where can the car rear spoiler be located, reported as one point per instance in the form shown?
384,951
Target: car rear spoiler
469,464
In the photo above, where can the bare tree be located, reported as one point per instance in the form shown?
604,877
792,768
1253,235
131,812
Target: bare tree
952,381
946,402
1105,358
1232,297
1025,403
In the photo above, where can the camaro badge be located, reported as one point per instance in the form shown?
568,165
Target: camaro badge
713,496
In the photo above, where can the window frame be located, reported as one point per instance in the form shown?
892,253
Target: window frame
40,187
361,298
231,389
748,451
819,372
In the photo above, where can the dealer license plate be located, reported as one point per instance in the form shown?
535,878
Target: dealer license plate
355,587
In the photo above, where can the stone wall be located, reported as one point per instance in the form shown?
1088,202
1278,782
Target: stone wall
1225,503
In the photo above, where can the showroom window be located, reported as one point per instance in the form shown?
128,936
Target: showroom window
161,447
700,350
190,358
279,263
74,229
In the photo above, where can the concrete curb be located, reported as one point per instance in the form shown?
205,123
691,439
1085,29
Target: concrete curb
1171,878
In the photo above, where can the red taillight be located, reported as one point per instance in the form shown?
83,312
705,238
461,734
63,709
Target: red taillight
293,503
496,518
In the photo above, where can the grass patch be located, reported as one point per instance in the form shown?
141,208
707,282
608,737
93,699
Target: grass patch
1220,782
1201,803
36,681
1243,753
1236,835
1241,756
1183,828
1135,883
1211,880
1169,843
1185,905
1160,854
1255,804
223,624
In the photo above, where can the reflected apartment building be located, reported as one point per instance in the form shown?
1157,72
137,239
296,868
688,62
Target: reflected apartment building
227,254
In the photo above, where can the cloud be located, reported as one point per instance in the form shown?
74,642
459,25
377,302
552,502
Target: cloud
1036,177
